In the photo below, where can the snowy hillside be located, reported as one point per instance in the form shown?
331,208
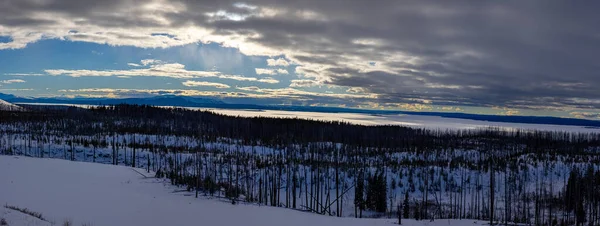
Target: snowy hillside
5,106
13,217
98,194
325,168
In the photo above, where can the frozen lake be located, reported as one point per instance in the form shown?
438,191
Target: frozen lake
419,121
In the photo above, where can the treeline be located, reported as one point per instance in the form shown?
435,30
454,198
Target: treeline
328,167
582,196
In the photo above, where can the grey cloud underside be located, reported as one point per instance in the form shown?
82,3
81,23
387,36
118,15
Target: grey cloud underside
525,54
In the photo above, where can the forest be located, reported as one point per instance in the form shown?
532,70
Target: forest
505,176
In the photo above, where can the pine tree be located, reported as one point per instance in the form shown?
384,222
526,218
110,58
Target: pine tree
359,190
406,206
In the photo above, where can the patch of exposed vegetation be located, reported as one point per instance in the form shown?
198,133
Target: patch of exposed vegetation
26,211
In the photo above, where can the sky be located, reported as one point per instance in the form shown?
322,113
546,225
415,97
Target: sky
489,57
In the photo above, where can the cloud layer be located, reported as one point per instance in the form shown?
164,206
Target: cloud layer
155,68
509,54
209,84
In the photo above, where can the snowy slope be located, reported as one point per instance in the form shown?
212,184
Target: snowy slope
98,194
15,218
5,106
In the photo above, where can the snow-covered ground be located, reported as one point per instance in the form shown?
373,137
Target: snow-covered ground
13,217
99,194
5,106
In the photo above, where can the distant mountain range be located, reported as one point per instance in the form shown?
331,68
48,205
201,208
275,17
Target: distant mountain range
157,100
184,101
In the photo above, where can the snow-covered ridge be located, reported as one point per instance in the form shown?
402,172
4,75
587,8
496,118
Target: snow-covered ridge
13,217
5,106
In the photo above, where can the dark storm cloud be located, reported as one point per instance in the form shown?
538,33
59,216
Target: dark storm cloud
525,54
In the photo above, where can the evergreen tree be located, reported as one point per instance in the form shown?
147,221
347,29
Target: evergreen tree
359,190
405,206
